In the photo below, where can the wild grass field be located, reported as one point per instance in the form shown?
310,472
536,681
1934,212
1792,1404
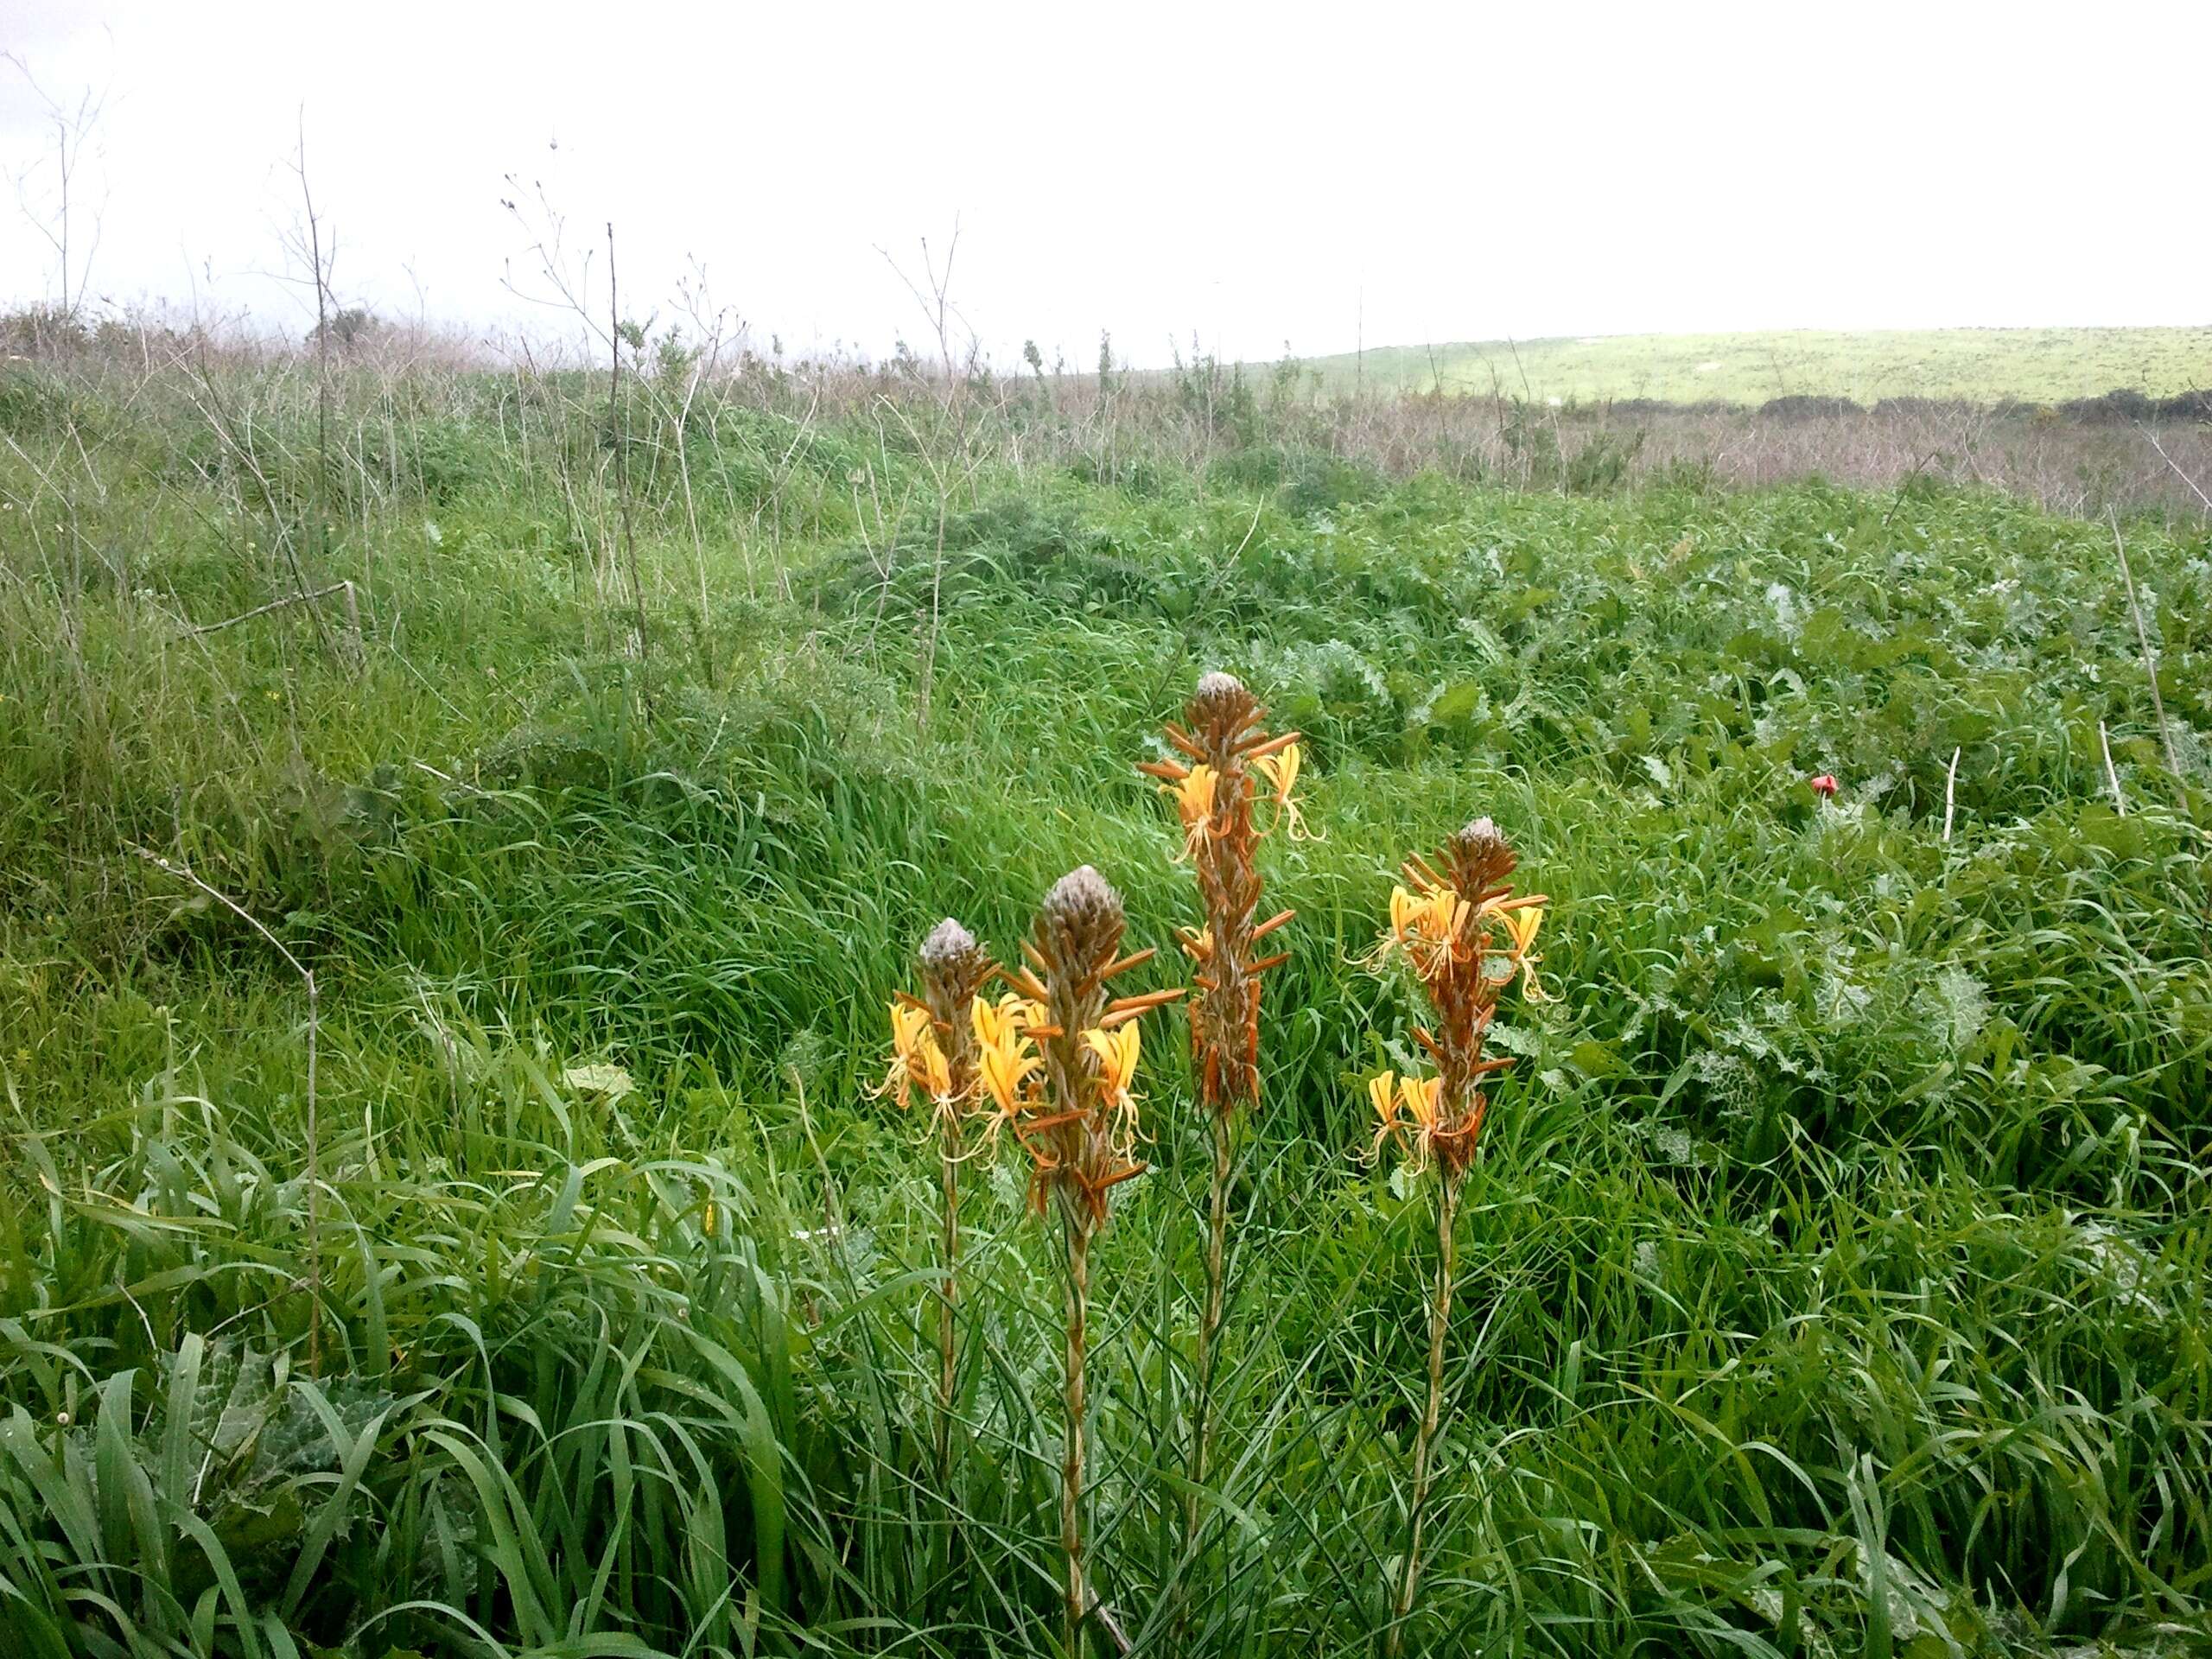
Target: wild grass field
1832,1280
1983,366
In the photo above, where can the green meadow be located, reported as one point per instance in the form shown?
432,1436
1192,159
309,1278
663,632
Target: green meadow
1834,1277
1988,366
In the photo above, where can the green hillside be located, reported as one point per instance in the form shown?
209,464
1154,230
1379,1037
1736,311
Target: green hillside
2037,364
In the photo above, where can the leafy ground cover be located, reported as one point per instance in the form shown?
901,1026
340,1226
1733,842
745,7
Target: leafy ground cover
1834,1281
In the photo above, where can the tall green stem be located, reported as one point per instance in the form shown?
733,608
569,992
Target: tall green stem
1439,1320
1209,1326
948,1303
1072,1463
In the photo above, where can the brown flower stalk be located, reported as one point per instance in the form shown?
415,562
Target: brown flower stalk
1466,935
1060,1065
1226,746
936,1050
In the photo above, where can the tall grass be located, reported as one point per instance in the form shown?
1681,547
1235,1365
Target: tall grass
1841,1235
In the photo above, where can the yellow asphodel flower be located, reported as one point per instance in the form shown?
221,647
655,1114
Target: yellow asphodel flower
1005,1057
1382,1091
1403,908
1117,1060
916,1060
1117,1069
933,1072
1426,926
996,1024
1005,1070
1421,1096
1281,769
909,1025
1194,802
1521,927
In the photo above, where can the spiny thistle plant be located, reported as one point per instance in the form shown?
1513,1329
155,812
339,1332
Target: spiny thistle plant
1059,1060
934,1048
1465,935
1214,794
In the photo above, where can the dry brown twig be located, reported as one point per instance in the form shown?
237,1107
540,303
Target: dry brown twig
2194,488
621,446
953,410
73,130
2112,775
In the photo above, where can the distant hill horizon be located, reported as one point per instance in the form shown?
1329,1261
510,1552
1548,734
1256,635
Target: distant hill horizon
1981,364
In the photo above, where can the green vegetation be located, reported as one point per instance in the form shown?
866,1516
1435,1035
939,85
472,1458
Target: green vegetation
1834,1279
2039,365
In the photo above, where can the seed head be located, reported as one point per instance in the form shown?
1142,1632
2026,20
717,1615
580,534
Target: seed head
1479,858
949,949
1084,910
1221,704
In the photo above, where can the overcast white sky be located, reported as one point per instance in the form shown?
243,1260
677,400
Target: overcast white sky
1249,174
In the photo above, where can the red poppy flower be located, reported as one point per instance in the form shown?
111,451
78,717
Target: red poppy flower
1825,784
